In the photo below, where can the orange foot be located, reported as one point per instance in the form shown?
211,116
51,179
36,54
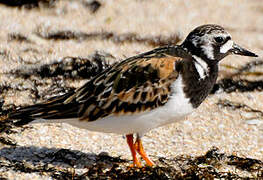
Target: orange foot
137,146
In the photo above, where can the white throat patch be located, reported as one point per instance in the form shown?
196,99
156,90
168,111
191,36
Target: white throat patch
201,67
208,51
227,46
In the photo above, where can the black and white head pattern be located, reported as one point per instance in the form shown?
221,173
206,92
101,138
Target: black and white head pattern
209,42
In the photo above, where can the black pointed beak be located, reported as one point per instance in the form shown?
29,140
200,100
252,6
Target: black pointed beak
236,49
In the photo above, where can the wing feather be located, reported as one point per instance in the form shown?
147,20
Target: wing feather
141,85
137,84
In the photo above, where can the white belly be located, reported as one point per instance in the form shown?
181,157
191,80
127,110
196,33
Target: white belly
174,110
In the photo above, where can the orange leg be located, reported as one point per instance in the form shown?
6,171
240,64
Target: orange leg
133,151
140,150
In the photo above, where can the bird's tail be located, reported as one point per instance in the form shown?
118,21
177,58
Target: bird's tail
54,108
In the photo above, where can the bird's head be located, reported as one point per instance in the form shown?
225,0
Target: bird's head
212,43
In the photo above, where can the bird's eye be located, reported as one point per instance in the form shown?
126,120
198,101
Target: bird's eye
219,39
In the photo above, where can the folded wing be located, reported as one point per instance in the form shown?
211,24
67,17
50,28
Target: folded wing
137,84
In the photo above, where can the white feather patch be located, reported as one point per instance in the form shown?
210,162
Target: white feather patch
177,107
201,67
226,47
208,51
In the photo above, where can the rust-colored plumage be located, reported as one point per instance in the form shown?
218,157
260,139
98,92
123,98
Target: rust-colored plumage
137,84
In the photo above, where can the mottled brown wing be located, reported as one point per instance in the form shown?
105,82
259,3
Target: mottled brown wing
136,85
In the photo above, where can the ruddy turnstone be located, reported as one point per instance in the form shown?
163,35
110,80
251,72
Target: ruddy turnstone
143,92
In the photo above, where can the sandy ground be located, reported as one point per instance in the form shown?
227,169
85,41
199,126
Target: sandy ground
208,126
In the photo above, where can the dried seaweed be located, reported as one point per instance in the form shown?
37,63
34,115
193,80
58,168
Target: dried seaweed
5,109
116,38
248,67
2,101
247,164
6,124
39,90
1,177
236,83
28,4
70,67
93,5
6,141
236,105
248,114
63,164
230,85
18,37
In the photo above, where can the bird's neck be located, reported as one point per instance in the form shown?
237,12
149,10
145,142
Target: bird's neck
199,78
206,54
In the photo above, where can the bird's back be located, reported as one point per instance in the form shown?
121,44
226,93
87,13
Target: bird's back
137,84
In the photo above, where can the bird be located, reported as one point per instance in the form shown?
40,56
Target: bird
142,92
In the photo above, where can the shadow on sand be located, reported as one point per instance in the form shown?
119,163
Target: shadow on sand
73,164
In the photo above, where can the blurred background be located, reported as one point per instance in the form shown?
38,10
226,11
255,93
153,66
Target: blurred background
41,37
143,18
